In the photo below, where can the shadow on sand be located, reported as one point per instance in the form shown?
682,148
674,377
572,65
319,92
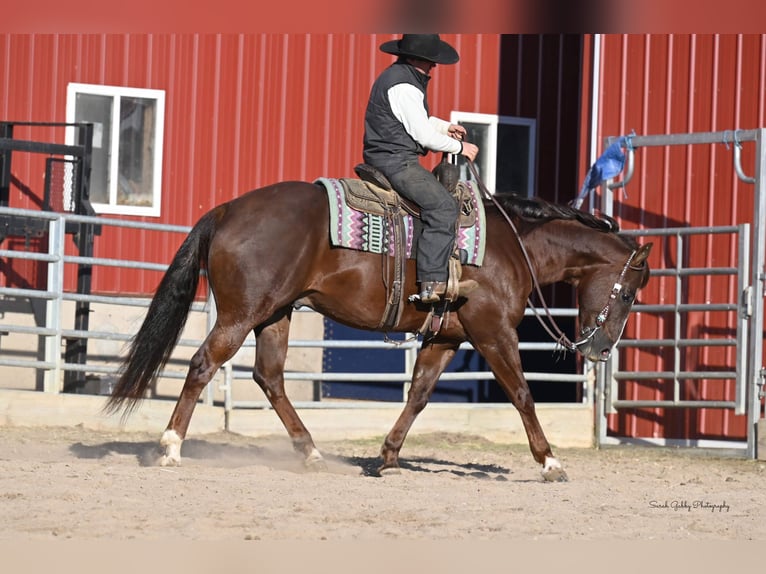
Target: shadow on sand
281,456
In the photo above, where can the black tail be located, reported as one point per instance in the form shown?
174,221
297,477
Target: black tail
150,348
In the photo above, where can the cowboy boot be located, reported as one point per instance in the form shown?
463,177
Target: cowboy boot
432,291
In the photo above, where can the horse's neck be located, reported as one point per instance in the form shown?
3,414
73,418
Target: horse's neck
561,250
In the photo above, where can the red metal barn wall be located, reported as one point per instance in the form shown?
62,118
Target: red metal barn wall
242,111
679,83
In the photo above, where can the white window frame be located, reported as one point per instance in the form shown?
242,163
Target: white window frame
116,92
490,155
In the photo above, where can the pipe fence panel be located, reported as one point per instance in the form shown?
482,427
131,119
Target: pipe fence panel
687,346
748,303
52,327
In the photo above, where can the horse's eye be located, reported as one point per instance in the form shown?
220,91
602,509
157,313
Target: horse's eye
628,297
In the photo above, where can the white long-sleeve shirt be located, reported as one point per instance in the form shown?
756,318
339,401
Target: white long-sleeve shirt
431,132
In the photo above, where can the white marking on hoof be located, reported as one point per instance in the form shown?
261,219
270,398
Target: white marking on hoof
172,443
314,461
553,471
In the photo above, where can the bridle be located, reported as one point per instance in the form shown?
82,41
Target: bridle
589,332
551,327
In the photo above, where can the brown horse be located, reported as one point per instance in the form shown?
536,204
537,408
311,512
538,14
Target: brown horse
267,252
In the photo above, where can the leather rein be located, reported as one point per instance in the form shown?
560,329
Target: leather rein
551,327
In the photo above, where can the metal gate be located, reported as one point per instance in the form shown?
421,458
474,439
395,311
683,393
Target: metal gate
66,190
681,350
677,384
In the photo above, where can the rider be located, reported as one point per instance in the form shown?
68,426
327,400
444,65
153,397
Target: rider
398,129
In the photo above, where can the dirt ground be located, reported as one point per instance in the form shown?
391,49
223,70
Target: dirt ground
73,483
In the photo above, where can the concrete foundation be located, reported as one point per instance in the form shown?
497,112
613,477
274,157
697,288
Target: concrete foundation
564,425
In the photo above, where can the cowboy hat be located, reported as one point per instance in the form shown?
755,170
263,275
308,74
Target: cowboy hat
423,46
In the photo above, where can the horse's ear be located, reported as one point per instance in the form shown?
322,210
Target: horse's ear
639,259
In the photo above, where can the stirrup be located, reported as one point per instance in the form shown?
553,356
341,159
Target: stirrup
434,291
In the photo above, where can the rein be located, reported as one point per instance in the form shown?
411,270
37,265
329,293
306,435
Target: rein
551,328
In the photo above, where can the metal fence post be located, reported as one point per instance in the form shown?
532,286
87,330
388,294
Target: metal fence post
757,283
410,356
53,372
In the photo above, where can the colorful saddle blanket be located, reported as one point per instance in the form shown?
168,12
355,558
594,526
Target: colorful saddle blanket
362,231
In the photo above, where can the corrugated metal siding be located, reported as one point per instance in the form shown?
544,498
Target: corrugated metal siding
541,78
242,111
27,96
656,84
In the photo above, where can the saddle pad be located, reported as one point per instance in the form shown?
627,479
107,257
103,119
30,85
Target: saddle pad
367,232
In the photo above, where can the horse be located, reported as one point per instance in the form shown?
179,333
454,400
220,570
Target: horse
267,253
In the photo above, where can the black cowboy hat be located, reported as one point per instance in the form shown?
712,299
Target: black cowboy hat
423,46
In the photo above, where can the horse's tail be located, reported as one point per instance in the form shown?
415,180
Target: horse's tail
151,347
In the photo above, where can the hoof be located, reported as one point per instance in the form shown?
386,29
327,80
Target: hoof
553,471
166,460
389,471
172,445
314,462
555,475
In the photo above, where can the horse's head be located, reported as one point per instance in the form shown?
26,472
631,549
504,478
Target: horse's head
605,298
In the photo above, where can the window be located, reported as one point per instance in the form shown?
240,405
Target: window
126,167
507,151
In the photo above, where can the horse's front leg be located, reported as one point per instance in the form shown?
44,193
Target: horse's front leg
502,355
431,361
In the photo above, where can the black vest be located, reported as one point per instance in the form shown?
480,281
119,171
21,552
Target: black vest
386,143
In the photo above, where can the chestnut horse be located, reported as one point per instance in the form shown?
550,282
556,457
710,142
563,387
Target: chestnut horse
268,252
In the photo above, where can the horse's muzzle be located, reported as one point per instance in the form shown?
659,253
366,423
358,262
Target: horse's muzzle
594,346
604,355
597,356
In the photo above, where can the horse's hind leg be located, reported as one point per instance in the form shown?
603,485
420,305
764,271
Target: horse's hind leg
270,355
431,361
219,346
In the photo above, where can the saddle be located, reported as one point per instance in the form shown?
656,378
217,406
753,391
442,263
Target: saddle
373,193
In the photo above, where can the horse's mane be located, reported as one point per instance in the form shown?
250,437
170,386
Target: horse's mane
537,210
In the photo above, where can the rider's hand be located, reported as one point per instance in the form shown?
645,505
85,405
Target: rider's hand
456,131
469,150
